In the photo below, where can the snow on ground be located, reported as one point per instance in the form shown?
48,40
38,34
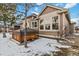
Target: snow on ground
40,46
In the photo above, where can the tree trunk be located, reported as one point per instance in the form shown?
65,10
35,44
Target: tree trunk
25,43
25,40
4,31
27,6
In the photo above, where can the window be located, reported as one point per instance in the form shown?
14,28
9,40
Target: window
55,26
47,26
55,19
34,24
55,22
41,27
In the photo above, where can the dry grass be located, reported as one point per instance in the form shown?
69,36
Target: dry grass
73,51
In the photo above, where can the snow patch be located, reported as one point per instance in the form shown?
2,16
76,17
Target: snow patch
40,46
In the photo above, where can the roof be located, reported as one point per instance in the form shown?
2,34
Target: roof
61,9
72,22
31,15
68,18
77,28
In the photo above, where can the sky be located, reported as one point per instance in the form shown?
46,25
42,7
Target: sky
73,9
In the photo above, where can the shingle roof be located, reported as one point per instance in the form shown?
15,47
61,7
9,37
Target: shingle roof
62,9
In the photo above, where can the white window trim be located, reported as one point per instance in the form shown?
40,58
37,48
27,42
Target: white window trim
49,25
32,25
41,29
54,23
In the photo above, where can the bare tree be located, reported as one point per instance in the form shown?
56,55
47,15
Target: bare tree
27,7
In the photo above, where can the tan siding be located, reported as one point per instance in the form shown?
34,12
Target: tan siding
28,20
47,19
66,22
72,28
49,33
48,10
61,24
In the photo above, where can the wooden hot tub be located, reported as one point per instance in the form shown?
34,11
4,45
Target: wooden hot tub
26,34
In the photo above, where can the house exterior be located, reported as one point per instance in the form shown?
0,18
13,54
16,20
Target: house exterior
77,29
72,27
51,21
28,21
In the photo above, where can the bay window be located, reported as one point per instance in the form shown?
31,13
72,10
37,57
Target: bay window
47,26
55,23
41,27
